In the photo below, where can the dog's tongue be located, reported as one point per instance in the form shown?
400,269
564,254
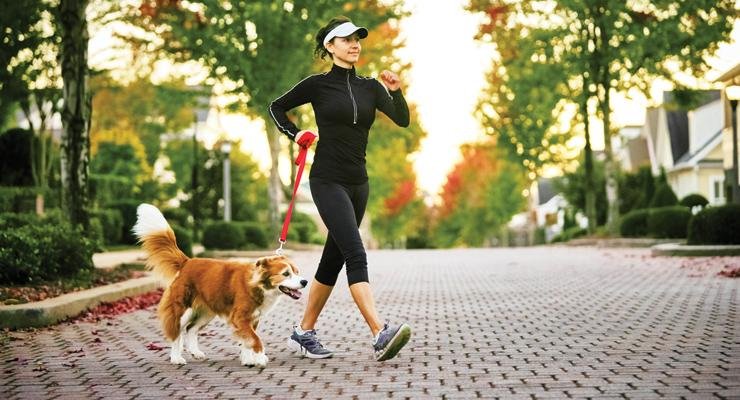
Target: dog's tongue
294,293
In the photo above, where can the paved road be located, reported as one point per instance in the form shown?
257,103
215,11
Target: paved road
549,322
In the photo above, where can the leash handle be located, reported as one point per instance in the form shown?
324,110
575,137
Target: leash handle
300,161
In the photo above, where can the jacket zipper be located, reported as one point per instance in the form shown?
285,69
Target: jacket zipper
354,105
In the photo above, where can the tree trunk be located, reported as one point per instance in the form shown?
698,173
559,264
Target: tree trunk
590,189
610,167
75,148
275,188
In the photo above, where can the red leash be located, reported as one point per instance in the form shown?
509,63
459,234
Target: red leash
300,161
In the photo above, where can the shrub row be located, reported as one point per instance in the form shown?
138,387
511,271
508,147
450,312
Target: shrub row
42,249
252,235
712,225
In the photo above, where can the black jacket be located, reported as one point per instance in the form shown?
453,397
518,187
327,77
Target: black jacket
344,105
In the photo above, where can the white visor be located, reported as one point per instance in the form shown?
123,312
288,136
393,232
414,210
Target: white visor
344,30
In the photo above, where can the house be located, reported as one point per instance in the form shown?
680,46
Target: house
687,144
729,79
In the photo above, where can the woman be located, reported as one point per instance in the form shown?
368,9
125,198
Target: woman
344,104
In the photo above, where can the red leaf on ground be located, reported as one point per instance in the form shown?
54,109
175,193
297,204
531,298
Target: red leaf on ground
154,346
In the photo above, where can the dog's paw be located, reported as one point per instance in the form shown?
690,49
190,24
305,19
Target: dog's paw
177,360
197,354
260,360
246,357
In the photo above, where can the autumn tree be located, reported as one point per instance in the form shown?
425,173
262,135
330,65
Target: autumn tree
482,192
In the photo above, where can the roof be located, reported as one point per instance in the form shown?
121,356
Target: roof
732,74
545,190
695,158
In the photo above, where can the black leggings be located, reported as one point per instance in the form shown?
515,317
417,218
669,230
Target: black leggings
341,208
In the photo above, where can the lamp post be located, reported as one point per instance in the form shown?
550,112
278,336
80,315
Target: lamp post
226,149
733,94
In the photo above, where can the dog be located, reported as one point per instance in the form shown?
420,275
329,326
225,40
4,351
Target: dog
198,289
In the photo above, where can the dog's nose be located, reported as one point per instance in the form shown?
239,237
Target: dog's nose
304,283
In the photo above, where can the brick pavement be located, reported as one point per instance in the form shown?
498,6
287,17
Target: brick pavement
548,322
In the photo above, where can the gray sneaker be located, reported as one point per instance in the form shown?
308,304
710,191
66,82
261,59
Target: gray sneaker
308,345
390,341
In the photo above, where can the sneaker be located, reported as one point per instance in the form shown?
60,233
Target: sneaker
390,341
308,345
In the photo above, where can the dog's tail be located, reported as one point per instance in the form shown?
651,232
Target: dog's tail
164,258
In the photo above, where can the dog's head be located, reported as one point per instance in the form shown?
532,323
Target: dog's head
281,273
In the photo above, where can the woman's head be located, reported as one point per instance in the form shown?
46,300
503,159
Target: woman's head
340,40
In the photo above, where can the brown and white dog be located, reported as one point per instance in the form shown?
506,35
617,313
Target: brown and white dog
198,289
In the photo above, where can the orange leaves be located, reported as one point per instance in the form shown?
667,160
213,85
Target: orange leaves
469,177
404,193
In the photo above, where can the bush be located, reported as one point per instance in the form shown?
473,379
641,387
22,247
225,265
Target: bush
663,197
634,223
127,208
112,224
716,225
43,251
694,200
254,234
178,216
184,239
668,222
223,235
570,233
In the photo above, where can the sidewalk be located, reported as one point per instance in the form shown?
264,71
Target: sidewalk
540,322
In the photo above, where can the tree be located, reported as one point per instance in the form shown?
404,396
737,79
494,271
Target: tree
31,81
481,194
75,153
613,45
256,49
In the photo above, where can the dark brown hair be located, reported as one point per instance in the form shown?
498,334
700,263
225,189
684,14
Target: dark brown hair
320,51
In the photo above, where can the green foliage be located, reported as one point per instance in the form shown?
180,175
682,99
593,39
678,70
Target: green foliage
668,222
111,223
184,239
573,187
570,233
254,234
23,199
43,251
127,209
248,183
106,189
223,235
663,197
302,229
635,223
715,225
694,200
178,216
636,190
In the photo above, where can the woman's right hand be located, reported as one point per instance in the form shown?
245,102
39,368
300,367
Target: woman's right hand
305,138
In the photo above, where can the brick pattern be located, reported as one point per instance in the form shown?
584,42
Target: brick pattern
548,322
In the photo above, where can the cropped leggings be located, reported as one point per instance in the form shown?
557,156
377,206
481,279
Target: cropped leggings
341,207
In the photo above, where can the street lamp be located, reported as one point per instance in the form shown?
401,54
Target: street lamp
226,149
733,94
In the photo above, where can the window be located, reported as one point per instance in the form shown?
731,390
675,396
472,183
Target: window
717,190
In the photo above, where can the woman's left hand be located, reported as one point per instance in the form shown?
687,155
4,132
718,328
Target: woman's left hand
390,80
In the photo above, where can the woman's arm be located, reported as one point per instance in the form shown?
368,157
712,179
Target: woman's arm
296,96
391,102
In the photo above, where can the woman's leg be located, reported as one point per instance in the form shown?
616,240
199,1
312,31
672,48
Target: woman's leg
363,296
318,294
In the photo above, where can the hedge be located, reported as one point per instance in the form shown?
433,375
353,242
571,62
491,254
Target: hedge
668,222
694,200
223,235
715,225
634,223
43,251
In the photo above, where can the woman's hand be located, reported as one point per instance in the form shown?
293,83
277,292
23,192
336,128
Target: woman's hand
390,80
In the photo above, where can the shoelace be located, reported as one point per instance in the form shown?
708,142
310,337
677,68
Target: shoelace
311,340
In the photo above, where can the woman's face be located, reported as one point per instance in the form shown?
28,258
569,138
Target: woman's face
345,50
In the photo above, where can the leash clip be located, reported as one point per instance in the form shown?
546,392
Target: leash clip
279,250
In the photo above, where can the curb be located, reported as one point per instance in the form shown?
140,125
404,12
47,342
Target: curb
50,311
619,242
680,250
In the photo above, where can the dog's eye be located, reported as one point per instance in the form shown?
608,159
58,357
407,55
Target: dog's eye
286,273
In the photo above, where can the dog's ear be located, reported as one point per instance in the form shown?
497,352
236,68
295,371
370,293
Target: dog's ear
262,262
